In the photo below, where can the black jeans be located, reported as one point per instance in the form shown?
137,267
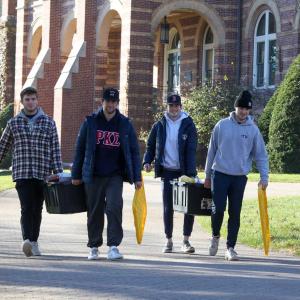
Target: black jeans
31,197
167,176
104,194
233,187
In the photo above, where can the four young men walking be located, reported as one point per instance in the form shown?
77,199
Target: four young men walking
107,154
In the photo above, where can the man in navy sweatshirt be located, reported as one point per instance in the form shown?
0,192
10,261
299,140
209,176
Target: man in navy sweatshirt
172,143
107,153
235,142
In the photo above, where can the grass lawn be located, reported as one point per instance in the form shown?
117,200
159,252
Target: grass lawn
284,218
6,181
284,178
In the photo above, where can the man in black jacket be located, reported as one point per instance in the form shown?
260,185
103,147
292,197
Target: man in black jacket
172,144
107,153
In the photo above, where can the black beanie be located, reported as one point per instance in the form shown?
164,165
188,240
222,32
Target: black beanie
244,100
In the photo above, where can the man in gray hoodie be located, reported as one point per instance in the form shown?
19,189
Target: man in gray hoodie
32,135
235,142
172,145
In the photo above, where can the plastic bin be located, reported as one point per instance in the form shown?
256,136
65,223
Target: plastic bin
191,198
64,198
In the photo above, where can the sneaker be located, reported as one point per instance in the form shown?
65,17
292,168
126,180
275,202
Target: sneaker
214,245
114,254
187,248
168,248
27,248
230,254
35,249
94,254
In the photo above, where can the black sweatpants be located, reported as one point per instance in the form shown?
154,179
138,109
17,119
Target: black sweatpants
104,195
31,197
188,222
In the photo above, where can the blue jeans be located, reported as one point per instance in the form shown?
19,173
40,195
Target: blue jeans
233,187
168,205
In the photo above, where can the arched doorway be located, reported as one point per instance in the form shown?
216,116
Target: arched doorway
108,51
189,57
34,46
68,33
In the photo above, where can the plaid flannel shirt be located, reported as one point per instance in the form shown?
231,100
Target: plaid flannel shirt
36,150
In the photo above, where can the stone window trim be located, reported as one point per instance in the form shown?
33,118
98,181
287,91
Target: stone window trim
256,11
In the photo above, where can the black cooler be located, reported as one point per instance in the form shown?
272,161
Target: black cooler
64,198
191,198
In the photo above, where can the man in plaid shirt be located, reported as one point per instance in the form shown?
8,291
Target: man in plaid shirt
36,154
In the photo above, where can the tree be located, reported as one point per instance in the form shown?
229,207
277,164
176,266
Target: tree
284,131
208,104
5,115
265,118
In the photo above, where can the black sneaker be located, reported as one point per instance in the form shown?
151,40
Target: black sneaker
187,248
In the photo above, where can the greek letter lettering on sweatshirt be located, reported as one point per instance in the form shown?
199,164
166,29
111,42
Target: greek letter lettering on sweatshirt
171,152
234,146
108,156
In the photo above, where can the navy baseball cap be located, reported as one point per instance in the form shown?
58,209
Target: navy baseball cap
174,99
111,94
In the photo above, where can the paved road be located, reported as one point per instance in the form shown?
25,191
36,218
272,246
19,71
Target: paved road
145,273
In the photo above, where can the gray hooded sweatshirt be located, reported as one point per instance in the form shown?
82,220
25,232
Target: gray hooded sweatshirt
234,146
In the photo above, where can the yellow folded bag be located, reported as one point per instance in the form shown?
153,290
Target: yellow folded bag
264,218
139,208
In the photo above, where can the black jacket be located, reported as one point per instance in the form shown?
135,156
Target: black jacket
187,142
84,161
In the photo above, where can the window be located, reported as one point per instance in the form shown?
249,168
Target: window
173,81
265,50
208,56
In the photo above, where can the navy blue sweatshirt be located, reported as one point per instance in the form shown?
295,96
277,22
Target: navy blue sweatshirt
108,156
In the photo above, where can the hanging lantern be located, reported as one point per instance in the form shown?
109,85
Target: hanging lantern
164,32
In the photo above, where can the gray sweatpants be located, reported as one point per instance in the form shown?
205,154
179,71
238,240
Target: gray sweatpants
104,194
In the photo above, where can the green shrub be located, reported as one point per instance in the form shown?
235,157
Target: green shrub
208,104
5,115
265,118
284,132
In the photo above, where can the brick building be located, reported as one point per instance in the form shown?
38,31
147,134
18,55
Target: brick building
71,49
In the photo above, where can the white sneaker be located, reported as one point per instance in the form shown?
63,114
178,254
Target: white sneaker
94,254
214,245
114,254
168,248
187,247
27,248
35,249
230,254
